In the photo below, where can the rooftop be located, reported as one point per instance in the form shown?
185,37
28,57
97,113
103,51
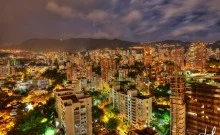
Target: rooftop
61,90
70,97
146,131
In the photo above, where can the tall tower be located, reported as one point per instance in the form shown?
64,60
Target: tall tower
196,56
177,104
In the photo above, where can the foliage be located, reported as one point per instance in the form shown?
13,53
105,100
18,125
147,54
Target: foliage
132,74
51,88
9,83
97,112
97,70
169,62
161,91
109,106
4,98
161,120
118,59
95,93
213,61
32,122
115,111
54,75
111,124
116,75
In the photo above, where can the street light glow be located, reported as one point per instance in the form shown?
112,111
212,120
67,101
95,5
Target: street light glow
29,107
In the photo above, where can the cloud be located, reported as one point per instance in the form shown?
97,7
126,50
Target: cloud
137,20
132,16
114,2
178,8
133,1
64,11
146,31
188,29
98,15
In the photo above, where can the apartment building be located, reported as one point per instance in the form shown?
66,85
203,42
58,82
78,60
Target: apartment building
196,56
74,112
203,109
135,109
177,104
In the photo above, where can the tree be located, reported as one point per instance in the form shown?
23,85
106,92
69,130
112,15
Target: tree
116,74
97,70
4,98
132,74
54,75
111,124
97,112
115,111
35,122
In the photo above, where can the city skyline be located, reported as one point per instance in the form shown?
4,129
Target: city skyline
132,20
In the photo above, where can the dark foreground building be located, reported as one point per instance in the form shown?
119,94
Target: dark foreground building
202,109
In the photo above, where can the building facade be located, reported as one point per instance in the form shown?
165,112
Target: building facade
203,109
135,109
177,105
196,56
74,112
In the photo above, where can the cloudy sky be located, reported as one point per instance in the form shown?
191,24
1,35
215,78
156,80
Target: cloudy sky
134,20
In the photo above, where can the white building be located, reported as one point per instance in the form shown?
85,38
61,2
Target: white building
74,112
136,109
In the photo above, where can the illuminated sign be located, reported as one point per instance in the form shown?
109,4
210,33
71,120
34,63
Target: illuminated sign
213,132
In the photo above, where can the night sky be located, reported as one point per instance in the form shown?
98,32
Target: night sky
133,20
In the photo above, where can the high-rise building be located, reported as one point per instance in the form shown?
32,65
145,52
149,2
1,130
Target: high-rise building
136,109
177,104
203,109
148,55
196,56
173,53
74,112
105,66
71,73
7,71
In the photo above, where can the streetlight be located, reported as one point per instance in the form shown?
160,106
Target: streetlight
29,107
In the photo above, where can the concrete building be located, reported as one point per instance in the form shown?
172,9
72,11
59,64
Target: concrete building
135,109
74,112
7,71
177,105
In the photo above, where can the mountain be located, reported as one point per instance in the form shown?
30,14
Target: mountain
171,42
82,44
214,45
72,44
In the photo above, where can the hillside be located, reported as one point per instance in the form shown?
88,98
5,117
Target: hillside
73,44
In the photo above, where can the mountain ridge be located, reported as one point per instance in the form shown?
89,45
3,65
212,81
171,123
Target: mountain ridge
83,44
71,44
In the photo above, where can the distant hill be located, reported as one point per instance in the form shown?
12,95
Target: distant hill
172,42
82,44
72,44
214,45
